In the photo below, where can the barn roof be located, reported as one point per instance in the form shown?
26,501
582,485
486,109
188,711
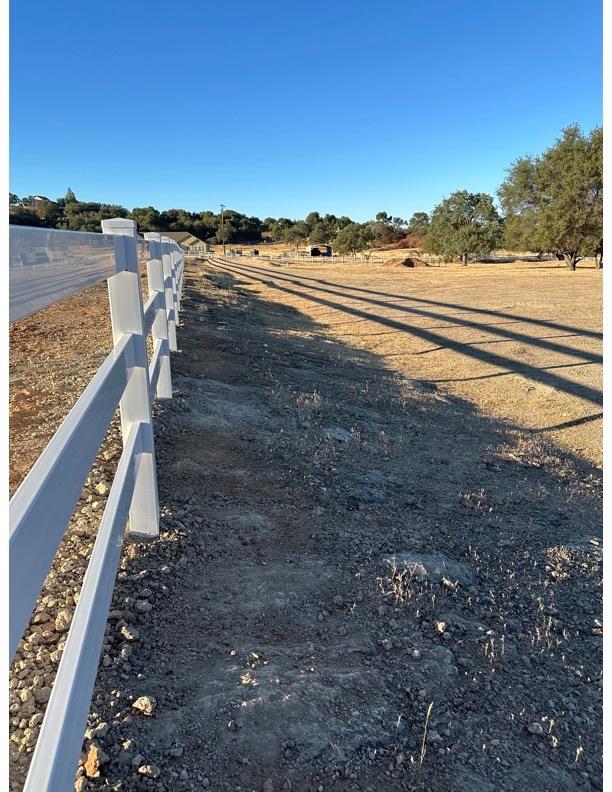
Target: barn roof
183,238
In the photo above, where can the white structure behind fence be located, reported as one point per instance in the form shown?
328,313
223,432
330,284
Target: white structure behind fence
46,266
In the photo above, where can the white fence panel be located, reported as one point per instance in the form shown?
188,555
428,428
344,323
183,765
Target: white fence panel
42,506
59,742
46,266
40,509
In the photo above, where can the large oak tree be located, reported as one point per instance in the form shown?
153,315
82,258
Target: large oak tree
464,224
353,238
555,202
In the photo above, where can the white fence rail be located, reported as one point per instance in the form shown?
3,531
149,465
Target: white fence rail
46,266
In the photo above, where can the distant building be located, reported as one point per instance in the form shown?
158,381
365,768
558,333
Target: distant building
35,200
190,243
320,250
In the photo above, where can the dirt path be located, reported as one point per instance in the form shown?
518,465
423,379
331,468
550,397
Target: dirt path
362,582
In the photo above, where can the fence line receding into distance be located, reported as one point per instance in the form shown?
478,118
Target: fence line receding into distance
46,266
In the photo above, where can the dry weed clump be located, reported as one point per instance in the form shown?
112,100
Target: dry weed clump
402,584
309,408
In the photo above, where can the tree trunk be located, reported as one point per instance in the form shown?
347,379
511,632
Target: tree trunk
570,260
464,259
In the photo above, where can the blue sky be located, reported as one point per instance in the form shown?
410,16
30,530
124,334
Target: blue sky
281,108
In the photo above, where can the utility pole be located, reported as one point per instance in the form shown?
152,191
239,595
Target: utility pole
222,228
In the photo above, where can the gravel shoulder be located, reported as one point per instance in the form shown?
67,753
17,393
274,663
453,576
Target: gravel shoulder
363,581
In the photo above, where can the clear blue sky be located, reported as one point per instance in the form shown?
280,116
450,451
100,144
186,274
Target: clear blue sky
281,108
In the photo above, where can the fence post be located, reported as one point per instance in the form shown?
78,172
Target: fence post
169,291
177,264
125,299
159,330
182,263
172,256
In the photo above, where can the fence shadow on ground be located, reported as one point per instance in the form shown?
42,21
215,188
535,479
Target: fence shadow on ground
534,373
457,308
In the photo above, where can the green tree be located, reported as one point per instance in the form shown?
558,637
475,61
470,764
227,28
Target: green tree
312,219
520,232
88,216
177,219
267,224
249,228
321,234
353,238
464,223
147,218
382,228
296,233
49,212
226,231
22,215
278,228
418,225
387,229
207,225
555,201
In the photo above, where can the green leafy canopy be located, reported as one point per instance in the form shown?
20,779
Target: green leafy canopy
554,202
464,223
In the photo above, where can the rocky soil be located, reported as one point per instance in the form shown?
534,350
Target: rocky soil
361,582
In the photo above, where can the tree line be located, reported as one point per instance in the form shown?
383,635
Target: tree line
70,213
549,203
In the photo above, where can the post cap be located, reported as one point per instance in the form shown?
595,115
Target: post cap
120,226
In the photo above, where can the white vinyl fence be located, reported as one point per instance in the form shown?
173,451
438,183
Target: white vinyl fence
46,266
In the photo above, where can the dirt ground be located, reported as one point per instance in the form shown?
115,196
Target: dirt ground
380,558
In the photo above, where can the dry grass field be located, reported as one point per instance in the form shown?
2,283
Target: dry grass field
522,341
379,565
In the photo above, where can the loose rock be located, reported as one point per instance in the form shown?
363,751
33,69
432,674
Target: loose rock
145,704
62,621
150,771
94,760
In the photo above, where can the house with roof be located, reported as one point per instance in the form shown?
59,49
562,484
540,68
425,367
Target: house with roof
190,243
